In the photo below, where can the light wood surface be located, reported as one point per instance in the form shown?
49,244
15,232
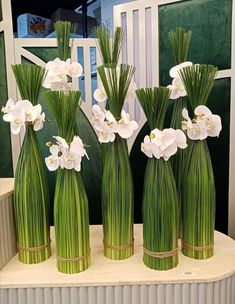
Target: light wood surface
105,272
6,187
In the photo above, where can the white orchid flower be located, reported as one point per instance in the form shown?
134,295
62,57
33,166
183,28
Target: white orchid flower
57,72
174,71
10,105
17,118
52,162
73,69
177,89
148,147
98,114
111,121
100,94
38,123
62,143
77,147
163,143
180,139
213,125
187,123
105,133
130,96
126,127
198,131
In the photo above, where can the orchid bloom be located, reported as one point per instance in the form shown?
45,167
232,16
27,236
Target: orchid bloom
163,143
204,124
58,73
105,133
100,94
66,156
21,113
126,127
177,88
174,71
53,161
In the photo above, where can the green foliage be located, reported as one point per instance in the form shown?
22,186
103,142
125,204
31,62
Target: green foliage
198,190
160,214
109,48
63,30
29,80
198,197
71,215
31,197
179,41
64,107
160,229
117,200
116,82
198,81
154,102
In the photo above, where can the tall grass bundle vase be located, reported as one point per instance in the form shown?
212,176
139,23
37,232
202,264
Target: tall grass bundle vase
31,197
179,41
71,216
198,189
160,201
114,127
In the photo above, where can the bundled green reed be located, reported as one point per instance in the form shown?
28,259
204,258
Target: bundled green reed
31,197
109,49
160,202
63,30
198,189
179,41
71,217
117,183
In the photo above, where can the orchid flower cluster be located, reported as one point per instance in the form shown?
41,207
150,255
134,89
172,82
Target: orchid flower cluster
107,126
23,113
204,124
177,88
59,74
163,143
64,155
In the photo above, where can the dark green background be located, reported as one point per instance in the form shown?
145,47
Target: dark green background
210,23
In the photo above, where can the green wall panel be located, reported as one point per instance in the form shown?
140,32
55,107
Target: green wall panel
5,137
210,23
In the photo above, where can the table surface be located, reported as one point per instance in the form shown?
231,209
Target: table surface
132,271
6,187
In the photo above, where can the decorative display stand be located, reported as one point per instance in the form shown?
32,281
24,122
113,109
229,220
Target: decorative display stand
125,281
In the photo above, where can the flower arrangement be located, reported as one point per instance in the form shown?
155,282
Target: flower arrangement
160,227
31,197
198,189
71,217
114,126
179,42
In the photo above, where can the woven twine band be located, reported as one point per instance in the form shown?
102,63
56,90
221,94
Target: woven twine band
32,249
119,247
161,255
196,248
76,259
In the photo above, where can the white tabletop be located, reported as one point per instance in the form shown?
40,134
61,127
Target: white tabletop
6,187
132,271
